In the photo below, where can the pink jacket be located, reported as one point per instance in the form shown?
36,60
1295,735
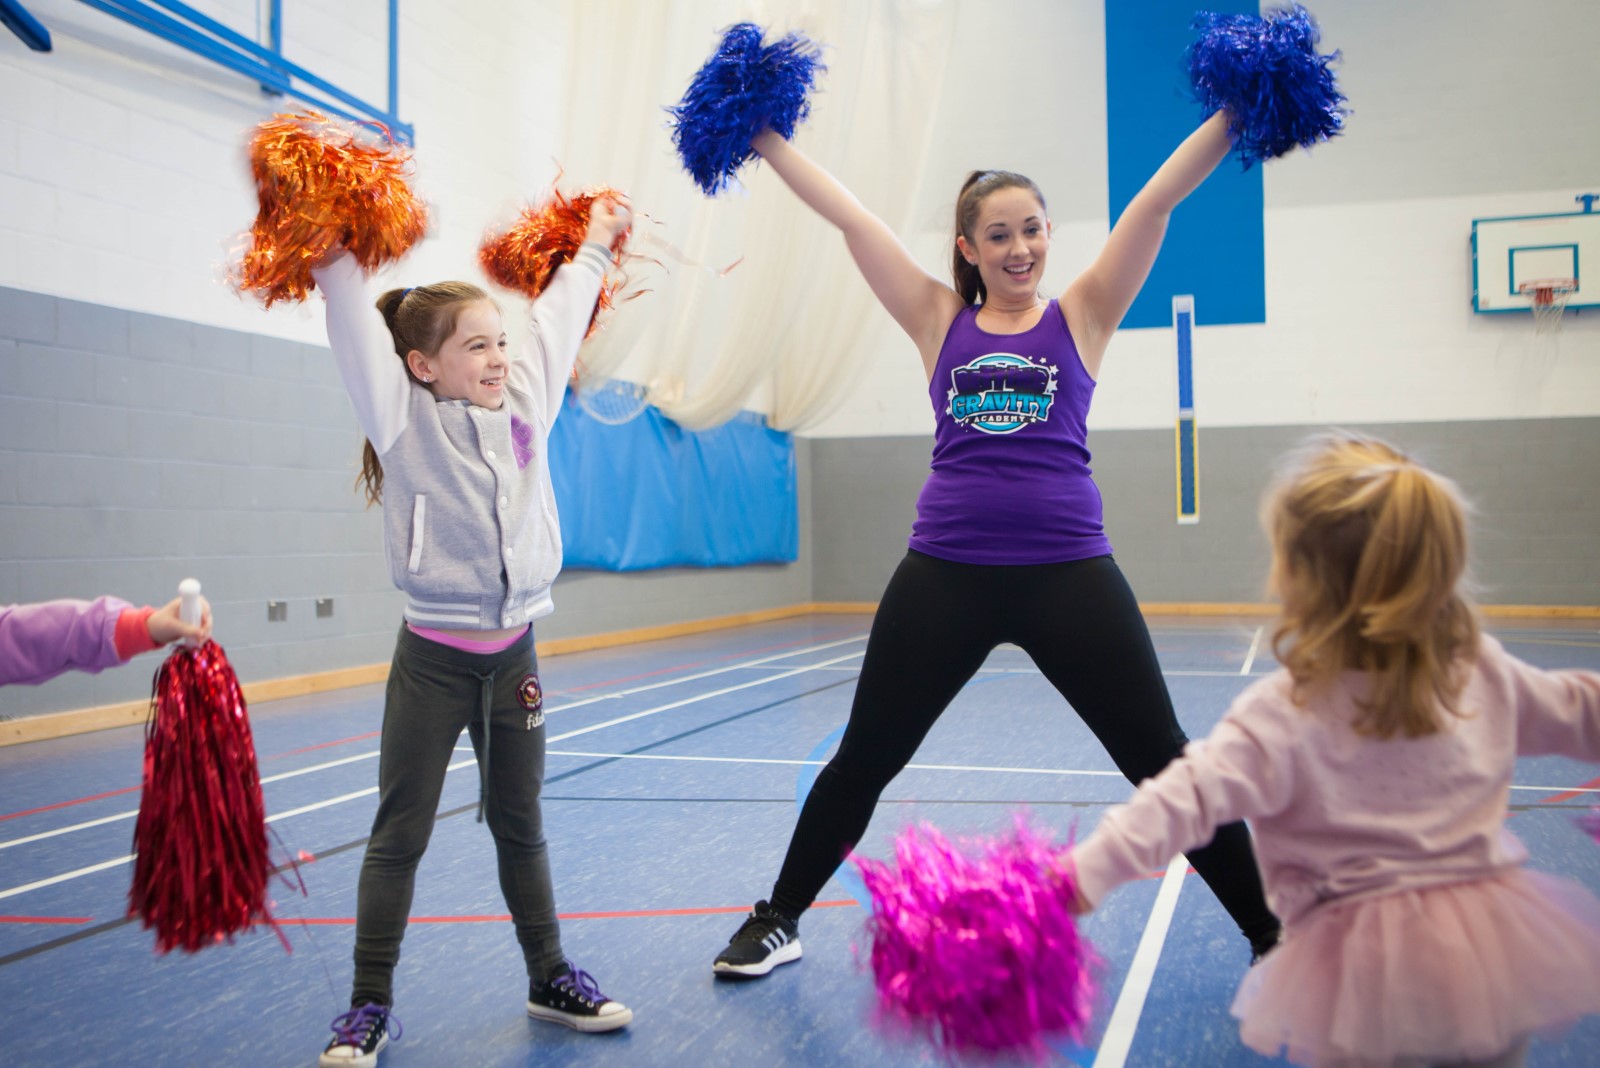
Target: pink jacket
1338,815
40,641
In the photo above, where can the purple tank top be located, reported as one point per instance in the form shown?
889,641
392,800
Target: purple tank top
1010,481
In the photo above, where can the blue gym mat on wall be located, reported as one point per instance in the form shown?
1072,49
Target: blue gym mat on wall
647,493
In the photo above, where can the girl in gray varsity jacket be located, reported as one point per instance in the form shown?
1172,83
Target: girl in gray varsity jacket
457,427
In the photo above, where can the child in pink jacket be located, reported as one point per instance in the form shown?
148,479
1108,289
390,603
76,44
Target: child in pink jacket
40,641
1375,768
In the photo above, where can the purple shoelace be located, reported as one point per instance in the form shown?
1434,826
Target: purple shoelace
352,1027
581,982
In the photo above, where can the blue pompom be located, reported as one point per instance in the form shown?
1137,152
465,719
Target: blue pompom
1266,71
743,88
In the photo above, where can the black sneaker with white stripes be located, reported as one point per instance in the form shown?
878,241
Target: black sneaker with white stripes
765,940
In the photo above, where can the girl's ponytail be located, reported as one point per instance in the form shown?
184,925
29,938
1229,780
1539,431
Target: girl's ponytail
965,276
421,320
1369,559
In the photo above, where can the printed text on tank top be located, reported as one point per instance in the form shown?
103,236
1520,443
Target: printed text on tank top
1003,392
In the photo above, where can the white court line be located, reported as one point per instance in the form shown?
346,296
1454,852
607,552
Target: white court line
699,697
1113,1051
560,737
562,708
68,830
818,763
1560,789
612,695
103,865
1250,657
129,815
1171,673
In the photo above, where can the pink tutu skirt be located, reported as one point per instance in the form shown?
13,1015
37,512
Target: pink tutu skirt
1460,971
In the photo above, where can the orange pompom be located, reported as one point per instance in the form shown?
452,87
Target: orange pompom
323,183
524,257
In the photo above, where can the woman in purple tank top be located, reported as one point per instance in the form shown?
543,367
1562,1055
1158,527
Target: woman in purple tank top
1010,375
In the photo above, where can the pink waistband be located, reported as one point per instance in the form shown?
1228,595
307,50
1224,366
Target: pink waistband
466,645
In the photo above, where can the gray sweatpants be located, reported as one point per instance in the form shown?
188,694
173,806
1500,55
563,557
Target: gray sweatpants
435,691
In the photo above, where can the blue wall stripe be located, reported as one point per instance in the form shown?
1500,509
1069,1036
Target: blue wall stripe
1185,323
1215,244
1186,444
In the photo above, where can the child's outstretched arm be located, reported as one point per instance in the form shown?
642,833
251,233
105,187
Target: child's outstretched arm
1231,775
363,348
1558,712
40,641
922,305
1096,300
561,314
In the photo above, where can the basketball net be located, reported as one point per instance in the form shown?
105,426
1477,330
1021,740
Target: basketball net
1548,300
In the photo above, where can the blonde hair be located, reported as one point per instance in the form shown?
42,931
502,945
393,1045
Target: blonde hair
1369,559
422,319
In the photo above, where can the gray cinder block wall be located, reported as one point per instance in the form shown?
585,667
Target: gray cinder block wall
1532,482
136,450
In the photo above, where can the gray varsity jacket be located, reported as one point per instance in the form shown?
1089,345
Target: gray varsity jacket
470,529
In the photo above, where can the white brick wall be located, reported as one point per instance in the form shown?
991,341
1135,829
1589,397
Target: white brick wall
122,177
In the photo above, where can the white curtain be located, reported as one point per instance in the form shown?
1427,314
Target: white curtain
779,331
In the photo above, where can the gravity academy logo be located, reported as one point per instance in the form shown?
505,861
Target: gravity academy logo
1001,393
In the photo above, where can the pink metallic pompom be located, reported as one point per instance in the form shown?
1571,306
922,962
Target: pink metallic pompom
1590,822
978,947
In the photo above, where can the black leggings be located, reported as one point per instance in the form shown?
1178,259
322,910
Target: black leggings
937,623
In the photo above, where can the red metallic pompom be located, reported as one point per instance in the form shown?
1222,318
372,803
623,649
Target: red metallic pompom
322,183
201,867
525,256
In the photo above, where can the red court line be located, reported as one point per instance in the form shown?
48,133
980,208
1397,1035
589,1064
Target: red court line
66,804
45,919
325,745
626,678
1570,794
345,921
1159,875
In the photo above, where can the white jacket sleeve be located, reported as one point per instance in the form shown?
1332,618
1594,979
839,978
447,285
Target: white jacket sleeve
559,322
363,348
1233,774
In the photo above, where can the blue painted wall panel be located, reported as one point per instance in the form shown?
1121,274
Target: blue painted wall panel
1215,246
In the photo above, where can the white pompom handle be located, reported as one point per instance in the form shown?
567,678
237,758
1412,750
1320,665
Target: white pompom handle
189,601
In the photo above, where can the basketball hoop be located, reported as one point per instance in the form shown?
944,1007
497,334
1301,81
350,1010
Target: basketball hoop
1547,300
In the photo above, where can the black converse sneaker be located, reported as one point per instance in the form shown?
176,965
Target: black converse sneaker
573,998
359,1036
766,940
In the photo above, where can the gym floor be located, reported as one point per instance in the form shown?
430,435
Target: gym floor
674,773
